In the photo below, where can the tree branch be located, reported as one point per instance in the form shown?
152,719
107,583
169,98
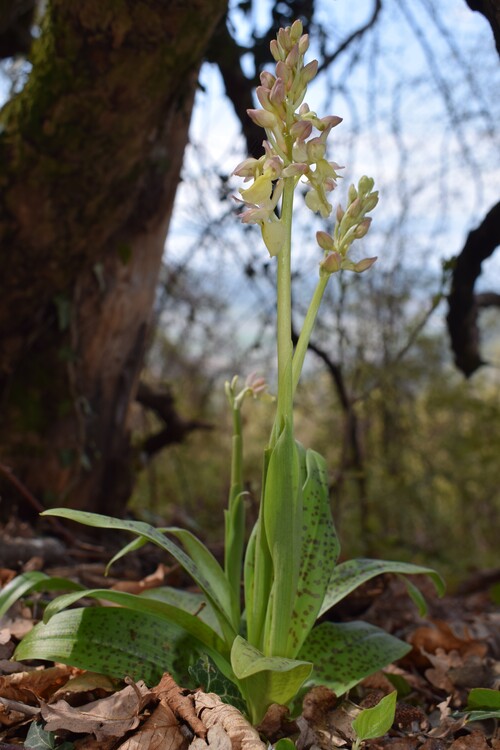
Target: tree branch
463,305
491,11
161,402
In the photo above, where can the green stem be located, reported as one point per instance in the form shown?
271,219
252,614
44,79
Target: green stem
284,317
307,328
235,518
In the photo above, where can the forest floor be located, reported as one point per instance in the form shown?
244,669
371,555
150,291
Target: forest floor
455,648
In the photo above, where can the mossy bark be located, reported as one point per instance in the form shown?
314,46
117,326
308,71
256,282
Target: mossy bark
90,157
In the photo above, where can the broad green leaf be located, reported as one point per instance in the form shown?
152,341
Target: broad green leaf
282,512
376,721
109,640
320,550
207,675
266,679
143,529
345,653
33,581
483,698
167,612
349,575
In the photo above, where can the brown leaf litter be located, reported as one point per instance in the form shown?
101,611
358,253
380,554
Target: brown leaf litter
454,649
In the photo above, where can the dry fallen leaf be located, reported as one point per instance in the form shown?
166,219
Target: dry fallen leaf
160,730
107,717
170,694
217,739
213,712
32,686
149,582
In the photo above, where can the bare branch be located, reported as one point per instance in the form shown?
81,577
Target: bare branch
491,11
358,34
462,318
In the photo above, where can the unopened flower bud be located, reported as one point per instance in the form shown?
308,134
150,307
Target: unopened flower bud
267,79
370,201
352,194
284,42
362,228
296,30
364,265
263,97
308,72
332,263
293,57
277,95
365,185
304,44
325,241
285,74
304,109
275,50
354,208
339,213
262,117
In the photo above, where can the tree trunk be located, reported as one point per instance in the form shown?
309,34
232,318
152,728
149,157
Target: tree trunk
90,155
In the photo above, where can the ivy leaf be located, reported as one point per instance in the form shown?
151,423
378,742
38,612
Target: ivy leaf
38,739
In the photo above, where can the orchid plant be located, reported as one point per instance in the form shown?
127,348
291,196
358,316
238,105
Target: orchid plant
264,640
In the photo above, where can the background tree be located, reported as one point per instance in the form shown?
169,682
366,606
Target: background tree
91,151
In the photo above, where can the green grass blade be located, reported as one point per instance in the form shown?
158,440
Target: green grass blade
349,575
320,550
345,653
33,581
